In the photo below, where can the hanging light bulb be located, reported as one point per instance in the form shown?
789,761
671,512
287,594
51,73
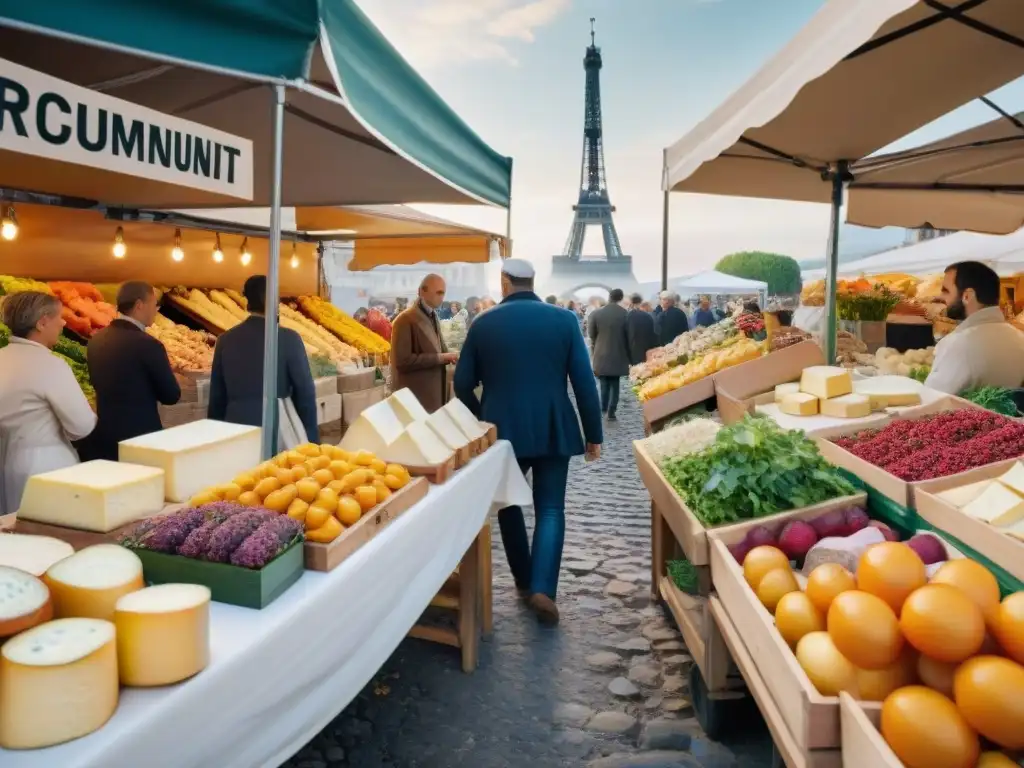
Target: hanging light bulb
246,257
295,258
120,249
218,254
176,253
9,224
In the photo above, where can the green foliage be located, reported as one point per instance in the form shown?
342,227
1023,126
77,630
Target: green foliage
321,367
683,575
782,273
996,399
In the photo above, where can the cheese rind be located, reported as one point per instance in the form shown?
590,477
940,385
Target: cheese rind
1013,478
825,381
417,446
406,407
195,456
58,682
32,554
997,505
851,406
790,388
799,404
374,429
90,582
94,496
24,602
465,419
163,634
447,430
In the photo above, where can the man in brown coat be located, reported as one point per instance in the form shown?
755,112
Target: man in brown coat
419,357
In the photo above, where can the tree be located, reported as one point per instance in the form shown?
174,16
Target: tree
782,273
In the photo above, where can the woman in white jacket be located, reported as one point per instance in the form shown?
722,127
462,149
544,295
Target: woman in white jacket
42,408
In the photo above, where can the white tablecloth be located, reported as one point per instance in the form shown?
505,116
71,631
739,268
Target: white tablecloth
279,675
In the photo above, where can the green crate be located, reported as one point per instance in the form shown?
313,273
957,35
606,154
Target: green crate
228,583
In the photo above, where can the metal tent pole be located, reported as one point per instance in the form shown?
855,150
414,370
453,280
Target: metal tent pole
838,175
664,223
508,212
270,415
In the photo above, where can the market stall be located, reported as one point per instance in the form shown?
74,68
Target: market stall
722,284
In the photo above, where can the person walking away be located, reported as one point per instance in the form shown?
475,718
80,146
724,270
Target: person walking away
42,408
704,317
525,353
610,343
671,322
640,334
419,355
985,350
236,383
130,372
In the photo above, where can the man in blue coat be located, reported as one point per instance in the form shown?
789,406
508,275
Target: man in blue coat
525,353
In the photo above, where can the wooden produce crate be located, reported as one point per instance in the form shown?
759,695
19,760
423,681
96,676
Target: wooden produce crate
437,474
328,408
78,539
735,387
659,409
863,745
354,382
327,557
7,522
327,385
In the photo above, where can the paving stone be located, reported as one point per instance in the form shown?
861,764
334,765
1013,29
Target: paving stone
676,705
658,634
677,660
658,759
622,620
580,566
569,713
673,684
623,688
617,723
619,589
644,674
632,578
635,645
666,735
335,754
603,660
670,645
654,702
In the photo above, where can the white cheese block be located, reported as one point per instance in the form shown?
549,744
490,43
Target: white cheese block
1014,478
997,505
851,406
94,496
825,381
447,430
163,634
465,419
890,391
90,582
32,554
196,456
965,494
1016,531
790,388
799,404
24,602
406,407
417,446
58,682
374,429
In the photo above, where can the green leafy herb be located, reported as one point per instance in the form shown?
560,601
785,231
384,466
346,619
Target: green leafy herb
996,399
683,575
920,372
321,367
70,349
873,306
698,411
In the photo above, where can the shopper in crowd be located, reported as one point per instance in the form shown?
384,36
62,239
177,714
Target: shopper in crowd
752,307
552,299
671,321
640,333
444,312
985,350
42,408
610,343
130,372
525,353
419,356
236,383
704,317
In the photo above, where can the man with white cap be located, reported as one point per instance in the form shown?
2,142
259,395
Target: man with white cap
671,320
524,352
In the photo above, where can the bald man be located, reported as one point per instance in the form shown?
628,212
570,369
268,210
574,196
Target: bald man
419,357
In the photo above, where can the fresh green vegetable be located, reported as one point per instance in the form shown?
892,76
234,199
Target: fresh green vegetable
683,575
698,411
996,399
70,349
321,367
869,307
920,372
754,468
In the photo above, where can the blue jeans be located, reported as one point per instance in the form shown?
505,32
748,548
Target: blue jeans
537,572
609,394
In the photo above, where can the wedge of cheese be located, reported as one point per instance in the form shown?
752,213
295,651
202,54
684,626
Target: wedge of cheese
374,429
195,456
417,446
889,392
965,494
58,682
24,602
445,427
464,418
94,496
997,505
825,381
90,582
32,554
799,404
163,634
790,388
407,408
1014,478
850,406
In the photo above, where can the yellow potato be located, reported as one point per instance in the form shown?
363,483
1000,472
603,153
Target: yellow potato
349,511
382,490
379,467
327,499
363,458
326,533
316,516
229,492
394,483
366,495
299,472
266,486
297,510
249,499
246,481
279,500
324,476
308,449
320,462
307,489
398,471
204,497
339,469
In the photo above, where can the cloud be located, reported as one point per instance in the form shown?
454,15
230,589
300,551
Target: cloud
521,21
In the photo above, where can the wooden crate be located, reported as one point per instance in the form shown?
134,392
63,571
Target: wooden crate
76,538
327,385
492,433
8,522
327,557
703,640
354,382
660,408
863,745
328,409
437,474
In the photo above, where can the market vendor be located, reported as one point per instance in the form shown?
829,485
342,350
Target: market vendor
984,350
419,355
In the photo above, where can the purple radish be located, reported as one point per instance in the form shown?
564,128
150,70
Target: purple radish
928,548
830,524
760,536
797,538
856,519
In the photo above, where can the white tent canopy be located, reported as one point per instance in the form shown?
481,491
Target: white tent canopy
718,282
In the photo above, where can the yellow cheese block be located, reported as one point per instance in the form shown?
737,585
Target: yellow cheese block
446,429
163,634
465,419
90,582
825,381
407,408
374,429
847,407
417,446
1014,478
790,388
32,554
997,505
799,404
58,682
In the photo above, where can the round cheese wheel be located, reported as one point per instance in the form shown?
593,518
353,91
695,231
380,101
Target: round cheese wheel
163,634
89,583
32,554
24,601
58,681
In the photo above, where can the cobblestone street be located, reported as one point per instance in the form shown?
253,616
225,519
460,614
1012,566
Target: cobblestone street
607,688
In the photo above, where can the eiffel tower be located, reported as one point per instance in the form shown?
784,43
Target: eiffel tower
572,270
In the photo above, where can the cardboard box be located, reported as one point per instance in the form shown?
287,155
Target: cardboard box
328,409
736,387
354,382
354,403
325,386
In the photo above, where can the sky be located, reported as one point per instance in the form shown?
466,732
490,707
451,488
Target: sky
513,69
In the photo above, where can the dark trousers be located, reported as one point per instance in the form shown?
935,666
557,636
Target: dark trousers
609,394
537,570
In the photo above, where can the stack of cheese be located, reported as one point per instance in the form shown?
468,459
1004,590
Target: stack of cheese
998,502
830,391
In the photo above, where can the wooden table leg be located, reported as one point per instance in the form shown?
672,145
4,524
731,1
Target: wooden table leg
657,552
486,582
469,603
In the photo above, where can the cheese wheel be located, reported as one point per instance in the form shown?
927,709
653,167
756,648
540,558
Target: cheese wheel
24,601
32,554
163,634
58,681
89,583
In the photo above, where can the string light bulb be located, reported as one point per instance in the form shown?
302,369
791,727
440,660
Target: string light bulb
9,224
176,253
246,257
218,254
120,249
295,258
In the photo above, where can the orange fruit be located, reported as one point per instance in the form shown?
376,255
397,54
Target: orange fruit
316,516
324,477
937,675
1010,626
297,510
326,533
327,499
308,488
266,486
865,630
249,499
349,511
942,622
366,495
774,585
989,692
279,500
761,560
974,580
796,616
926,730
825,582
891,570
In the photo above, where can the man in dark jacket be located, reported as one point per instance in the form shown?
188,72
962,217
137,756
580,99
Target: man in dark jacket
640,332
671,321
236,384
130,373
607,328
704,317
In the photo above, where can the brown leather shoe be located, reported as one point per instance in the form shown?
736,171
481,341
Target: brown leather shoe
545,608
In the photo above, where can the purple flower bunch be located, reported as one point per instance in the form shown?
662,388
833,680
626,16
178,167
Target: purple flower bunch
264,544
